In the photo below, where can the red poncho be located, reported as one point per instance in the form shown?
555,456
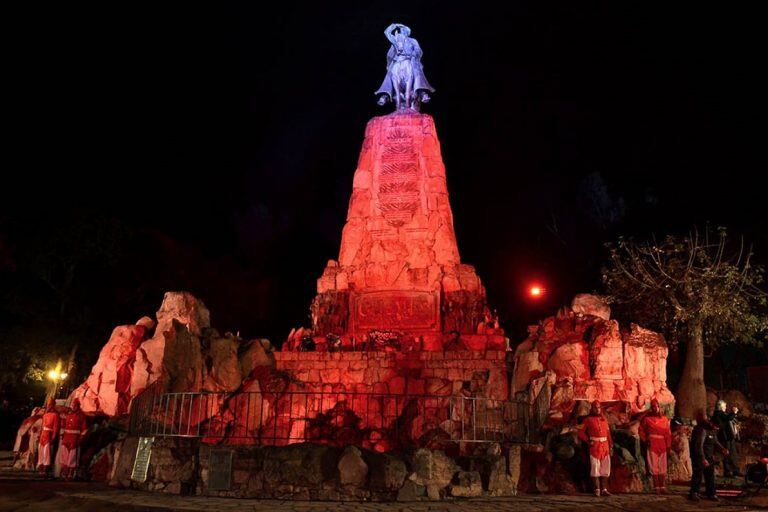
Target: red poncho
50,427
655,431
74,427
595,431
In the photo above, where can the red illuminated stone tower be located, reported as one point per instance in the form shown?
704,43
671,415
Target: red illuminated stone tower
399,271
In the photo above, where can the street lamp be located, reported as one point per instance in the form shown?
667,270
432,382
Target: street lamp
57,377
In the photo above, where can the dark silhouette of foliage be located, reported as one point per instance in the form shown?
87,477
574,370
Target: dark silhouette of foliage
700,289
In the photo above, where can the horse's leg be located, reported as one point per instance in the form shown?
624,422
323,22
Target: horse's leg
396,87
409,83
400,86
407,92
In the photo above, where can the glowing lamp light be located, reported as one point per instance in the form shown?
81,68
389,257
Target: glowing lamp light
536,291
57,375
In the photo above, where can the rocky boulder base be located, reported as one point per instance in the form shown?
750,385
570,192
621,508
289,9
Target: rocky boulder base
133,357
191,315
180,351
315,472
177,352
580,354
577,356
108,388
352,468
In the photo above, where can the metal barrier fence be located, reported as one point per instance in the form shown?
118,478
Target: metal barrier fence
327,417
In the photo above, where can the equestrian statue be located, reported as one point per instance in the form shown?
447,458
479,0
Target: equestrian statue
405,83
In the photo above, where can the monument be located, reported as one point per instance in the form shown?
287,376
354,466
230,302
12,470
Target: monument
398,281
403,372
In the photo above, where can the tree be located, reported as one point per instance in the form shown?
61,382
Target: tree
700,289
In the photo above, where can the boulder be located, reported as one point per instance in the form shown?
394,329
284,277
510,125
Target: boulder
499,481
172,465
606,351
147,323
100,466
527,367
107,390
244,413
254,354
182,361
466,484
181,307
514,458
645,354
222,367
301,465
352,468
434,492
186,309
411,491
387,472
587,304
125,453
432,468
570,360
562,397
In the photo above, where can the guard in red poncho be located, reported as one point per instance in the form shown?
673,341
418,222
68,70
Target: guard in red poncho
47,437
657,434
72,433
595,431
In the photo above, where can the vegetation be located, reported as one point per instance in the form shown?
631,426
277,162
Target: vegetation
701,289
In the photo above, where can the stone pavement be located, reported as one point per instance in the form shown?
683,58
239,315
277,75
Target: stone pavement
27,492
38,495
678,503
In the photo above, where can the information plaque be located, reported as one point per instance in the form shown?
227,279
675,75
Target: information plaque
220,475
141,462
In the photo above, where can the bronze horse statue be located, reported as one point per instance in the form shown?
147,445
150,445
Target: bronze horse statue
405,83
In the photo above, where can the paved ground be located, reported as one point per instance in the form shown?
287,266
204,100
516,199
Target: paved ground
21,492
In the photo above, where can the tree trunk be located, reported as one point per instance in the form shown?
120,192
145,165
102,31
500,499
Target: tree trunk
691,392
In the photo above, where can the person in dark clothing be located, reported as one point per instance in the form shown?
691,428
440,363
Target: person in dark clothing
703,445
727,434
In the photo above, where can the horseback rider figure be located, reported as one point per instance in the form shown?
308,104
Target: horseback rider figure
405,83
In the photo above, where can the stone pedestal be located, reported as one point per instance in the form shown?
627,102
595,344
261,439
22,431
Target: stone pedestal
398,269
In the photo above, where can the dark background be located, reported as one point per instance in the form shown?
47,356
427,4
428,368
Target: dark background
211,149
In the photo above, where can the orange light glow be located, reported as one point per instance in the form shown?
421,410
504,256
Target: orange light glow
536,291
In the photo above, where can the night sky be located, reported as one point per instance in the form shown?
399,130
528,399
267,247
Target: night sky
212,149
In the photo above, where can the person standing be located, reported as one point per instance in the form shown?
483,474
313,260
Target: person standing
72,433
597,434
727,434
656,433
703,445
47,437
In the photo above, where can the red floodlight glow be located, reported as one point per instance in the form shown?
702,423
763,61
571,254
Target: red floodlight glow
536,291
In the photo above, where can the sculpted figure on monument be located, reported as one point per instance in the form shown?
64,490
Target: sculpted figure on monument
405,83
